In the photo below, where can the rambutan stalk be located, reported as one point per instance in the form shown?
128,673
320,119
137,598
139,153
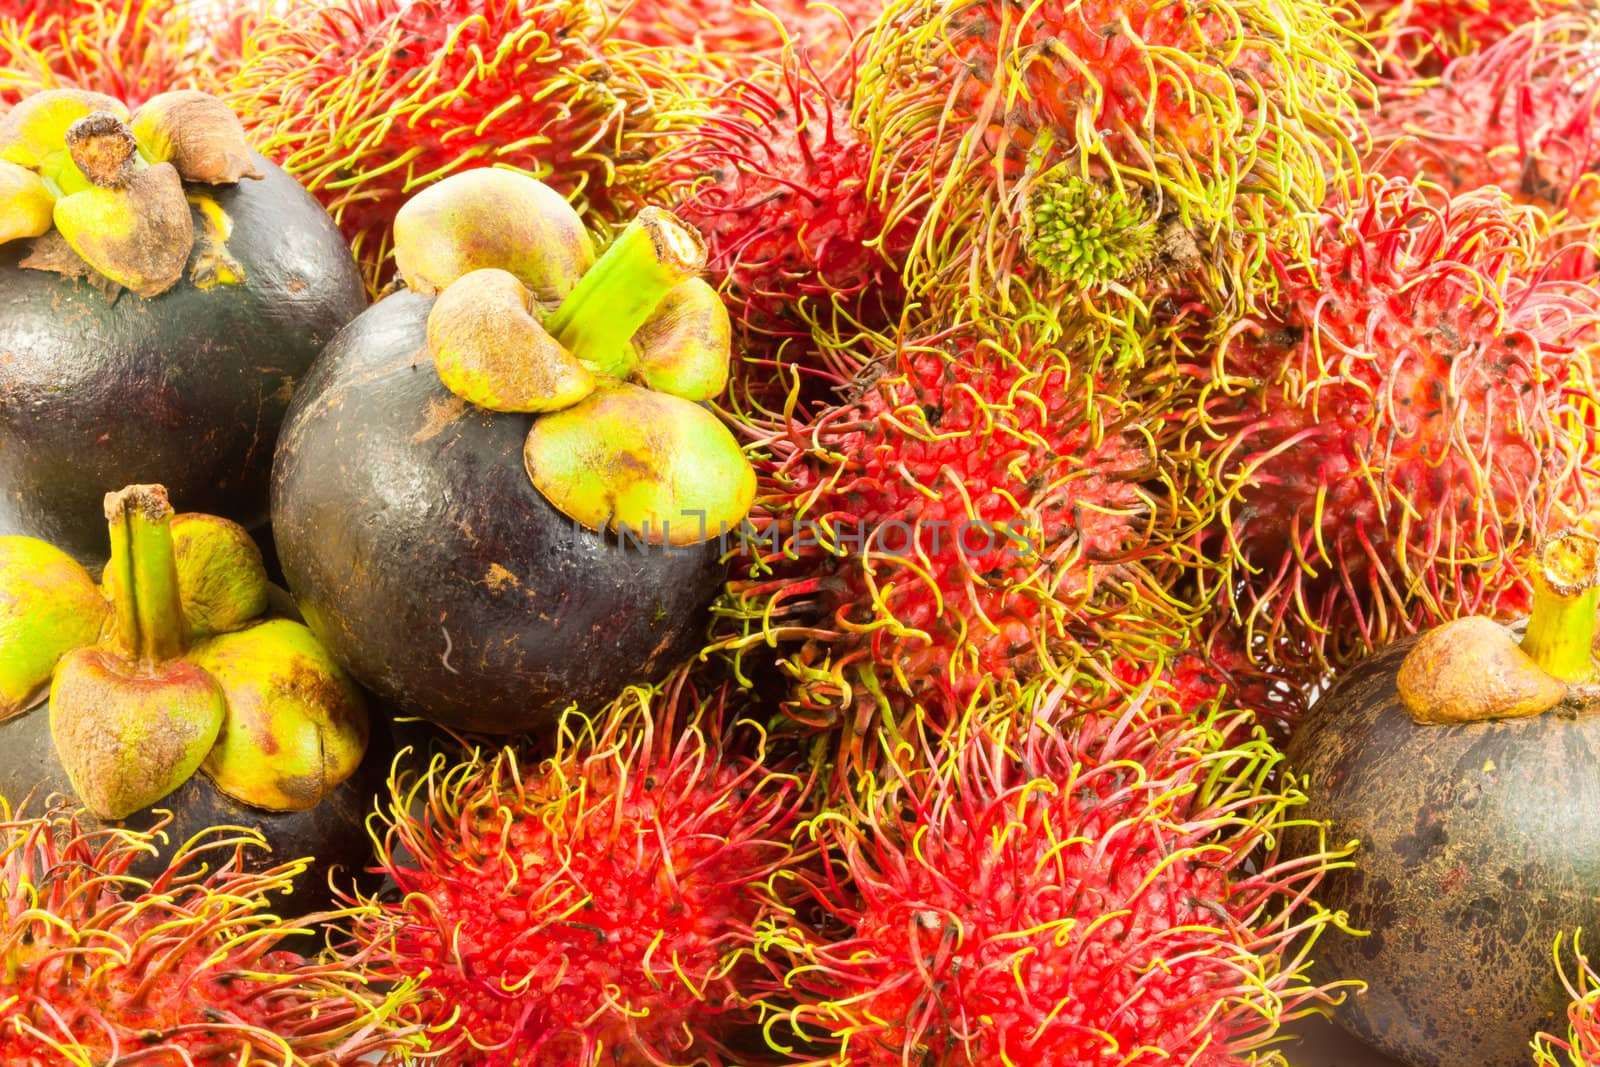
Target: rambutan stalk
1566,595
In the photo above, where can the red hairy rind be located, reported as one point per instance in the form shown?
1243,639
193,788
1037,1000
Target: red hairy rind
99,967
729,34
1581,1046
1425,35
1217,120
127,49
1090,891
775,179
1415,419
979,510
1522,114
597,904
367,101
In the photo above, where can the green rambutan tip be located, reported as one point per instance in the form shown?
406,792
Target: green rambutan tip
190,966
1087,232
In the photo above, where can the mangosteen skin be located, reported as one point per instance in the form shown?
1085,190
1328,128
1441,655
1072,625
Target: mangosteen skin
427,563
333,835
1479,845
187,388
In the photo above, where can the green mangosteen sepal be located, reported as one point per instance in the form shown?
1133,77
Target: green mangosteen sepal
1473,669
261,708
114,182
49,605
614,298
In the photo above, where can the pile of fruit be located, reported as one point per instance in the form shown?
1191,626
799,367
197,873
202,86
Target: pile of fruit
919,532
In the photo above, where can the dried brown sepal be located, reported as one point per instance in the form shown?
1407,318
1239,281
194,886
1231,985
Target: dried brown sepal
490,350
104,149
51,252
139,236
1472,670
686,344
198,134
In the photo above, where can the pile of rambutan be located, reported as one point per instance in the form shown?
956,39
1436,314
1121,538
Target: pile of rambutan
1115,373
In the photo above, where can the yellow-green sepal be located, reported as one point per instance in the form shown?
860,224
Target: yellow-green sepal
296,726
222,580
139,236
653,466
129,733
686,344
491,218
34,133
27,206
489,349
49,605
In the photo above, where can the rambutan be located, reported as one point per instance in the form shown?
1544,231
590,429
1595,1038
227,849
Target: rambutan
596,907
775,179
1094,891
1119,143
1522,114
366,101
728,34
100,967
977,510
1421,36
1413,419
1581,1046
127,49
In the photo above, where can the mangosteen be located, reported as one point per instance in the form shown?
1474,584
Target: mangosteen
1466,763
498,494
162,289
170,691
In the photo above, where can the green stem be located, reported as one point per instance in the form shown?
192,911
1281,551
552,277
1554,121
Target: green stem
144,572
597,320
1566,596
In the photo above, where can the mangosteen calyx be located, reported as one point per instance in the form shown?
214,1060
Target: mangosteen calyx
1473,669
616,367
187,677
110,184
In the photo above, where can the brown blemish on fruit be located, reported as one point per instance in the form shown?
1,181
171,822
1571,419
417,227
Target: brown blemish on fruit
1470,670
442,413
498,578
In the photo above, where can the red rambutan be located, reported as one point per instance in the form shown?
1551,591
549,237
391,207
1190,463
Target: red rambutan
1090,145
729,33
1410,422
1424,35
976,511
597,907
127,49
775,179
1097,891
1522,114
366,101
99,967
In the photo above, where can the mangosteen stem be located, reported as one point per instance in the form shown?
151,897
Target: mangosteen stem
1566,595
104,148
597,320
143,573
